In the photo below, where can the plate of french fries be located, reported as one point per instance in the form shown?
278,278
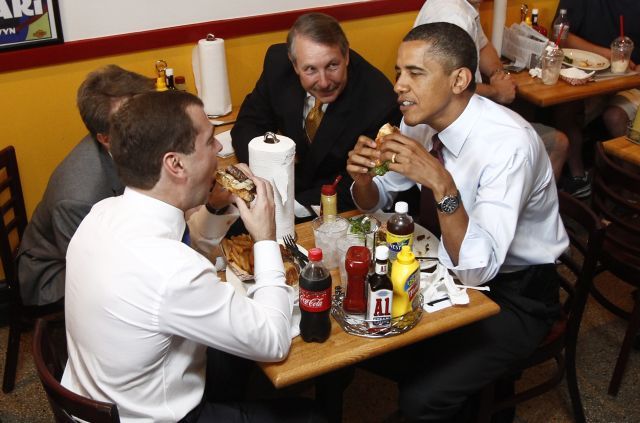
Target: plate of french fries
238,251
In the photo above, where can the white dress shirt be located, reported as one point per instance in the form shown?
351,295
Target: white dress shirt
141,307
457,12
506,184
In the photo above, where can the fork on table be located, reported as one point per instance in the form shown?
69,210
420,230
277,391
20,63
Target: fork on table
290,244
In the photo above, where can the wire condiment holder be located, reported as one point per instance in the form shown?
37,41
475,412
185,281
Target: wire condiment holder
358,326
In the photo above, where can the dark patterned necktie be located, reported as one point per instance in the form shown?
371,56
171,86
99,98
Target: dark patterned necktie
186,237
312,122
428,211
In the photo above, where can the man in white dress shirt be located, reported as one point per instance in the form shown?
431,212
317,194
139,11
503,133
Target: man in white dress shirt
142,306
500,87
491,183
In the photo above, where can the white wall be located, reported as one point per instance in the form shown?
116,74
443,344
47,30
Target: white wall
82,19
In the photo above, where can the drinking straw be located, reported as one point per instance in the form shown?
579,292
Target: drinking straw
562,28
335,182
621,26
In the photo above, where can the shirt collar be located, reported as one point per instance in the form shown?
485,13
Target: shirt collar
163,212
454,136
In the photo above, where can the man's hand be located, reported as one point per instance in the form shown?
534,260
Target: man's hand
416,163
361,159
504,87
260,219
219,197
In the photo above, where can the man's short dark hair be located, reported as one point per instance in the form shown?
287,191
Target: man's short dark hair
450,44
101,89
320,28
147,127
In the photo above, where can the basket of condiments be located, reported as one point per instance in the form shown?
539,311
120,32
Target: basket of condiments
385,301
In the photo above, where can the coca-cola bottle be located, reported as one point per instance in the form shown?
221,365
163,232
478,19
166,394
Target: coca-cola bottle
315,299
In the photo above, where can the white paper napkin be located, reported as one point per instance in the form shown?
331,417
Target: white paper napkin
438,286
224,138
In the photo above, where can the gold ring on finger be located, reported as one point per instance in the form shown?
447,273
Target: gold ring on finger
393,158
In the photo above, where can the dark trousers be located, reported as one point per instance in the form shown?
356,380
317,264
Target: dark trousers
225,396
272,411
438,376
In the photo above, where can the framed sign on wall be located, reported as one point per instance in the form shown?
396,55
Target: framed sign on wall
29,23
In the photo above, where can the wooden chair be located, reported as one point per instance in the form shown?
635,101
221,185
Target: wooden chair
66,405
616,199
586,235
12,226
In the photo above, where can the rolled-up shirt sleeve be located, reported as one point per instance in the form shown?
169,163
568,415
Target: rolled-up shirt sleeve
492,221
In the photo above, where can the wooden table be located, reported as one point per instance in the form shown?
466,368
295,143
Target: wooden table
623,149
535,92
309,360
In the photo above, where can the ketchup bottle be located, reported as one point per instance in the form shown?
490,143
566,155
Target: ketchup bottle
315,299
356,264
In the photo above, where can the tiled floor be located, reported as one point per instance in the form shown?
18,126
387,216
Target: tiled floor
371,399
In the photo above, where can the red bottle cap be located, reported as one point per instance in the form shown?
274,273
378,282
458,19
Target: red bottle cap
315,254
328,190
179,80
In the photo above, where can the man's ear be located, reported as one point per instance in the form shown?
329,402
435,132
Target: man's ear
104,140
172,163
293,64
461,80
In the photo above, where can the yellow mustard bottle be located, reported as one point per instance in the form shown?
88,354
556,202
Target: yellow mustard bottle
405,277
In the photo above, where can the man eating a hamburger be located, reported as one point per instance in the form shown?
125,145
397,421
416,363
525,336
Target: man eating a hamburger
487,186
141,306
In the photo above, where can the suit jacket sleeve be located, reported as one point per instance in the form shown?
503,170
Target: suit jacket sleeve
66,217
256,116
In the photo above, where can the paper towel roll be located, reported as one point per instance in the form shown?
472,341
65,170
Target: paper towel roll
210,75
275,163
499,18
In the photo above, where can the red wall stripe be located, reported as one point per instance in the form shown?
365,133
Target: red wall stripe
228,28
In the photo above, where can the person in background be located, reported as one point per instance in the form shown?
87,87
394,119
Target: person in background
500,88
141,306
86,176
593,25
489,185
316,76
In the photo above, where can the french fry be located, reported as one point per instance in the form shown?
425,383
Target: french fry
239,250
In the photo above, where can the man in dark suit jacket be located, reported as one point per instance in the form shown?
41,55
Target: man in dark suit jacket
86,176
316,64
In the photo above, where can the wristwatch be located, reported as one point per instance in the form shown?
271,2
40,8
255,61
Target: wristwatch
215,211
449,203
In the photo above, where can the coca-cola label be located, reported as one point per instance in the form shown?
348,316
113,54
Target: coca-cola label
315,301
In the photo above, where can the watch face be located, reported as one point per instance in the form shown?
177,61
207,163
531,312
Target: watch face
449,204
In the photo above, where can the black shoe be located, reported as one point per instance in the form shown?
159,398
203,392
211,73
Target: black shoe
578,186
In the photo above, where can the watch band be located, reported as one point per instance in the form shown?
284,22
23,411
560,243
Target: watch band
215,211
449,203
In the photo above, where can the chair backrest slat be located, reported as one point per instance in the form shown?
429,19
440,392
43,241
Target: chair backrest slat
65,404
586,234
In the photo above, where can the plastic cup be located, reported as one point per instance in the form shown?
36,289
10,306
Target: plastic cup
327,231
551,65
621,49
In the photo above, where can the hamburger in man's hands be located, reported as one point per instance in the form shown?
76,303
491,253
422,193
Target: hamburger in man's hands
235,181
381,167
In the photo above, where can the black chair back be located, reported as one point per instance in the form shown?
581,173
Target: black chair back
66,405
616,198
12,225
576,270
